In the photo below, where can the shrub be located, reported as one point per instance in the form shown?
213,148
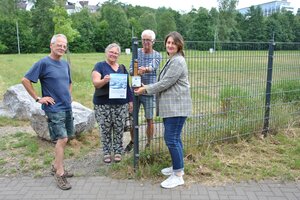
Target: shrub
3,48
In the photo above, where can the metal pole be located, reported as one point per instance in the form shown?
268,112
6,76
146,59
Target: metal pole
135,107
17,26
268,88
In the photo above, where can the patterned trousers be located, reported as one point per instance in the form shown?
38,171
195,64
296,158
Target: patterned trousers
111,122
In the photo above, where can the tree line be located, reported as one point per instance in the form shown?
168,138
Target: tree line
118,22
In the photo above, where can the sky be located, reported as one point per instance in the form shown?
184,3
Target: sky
187,5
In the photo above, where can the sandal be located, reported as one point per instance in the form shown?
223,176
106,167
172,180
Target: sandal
118,157
107,159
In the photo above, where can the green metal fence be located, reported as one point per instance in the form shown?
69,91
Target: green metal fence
238,90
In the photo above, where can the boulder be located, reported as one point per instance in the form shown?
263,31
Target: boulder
4,112
84,120
19,104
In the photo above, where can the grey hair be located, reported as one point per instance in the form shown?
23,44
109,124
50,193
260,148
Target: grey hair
112,45
148,32
54,37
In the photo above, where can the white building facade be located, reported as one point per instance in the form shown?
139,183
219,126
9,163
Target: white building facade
271,7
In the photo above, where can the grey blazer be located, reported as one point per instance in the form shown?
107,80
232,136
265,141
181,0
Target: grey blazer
172,89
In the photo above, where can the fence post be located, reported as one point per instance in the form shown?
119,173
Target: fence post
135,107
268,88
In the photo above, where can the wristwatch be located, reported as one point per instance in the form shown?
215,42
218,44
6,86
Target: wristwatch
37,99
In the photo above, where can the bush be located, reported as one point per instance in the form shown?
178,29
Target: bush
3,48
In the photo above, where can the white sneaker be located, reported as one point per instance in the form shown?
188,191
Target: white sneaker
168,171
172,181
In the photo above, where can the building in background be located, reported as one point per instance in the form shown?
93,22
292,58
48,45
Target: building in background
77,6
271,7
71,6
24,5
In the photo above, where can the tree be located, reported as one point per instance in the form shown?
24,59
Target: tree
165,23
8,8
60,3
8,36
254,23
63,24
85,24
288,19
26,38
227,24
118,26
136,11
136,27
184,24
201,28
101,36
42,24
281,26
12,19
297,28
148,21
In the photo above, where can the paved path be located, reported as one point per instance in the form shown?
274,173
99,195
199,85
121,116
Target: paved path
111,189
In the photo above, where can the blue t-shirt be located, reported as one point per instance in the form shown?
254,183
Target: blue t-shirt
55,79
105,69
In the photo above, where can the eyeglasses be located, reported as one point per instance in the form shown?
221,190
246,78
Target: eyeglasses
61,46
147,40
112,52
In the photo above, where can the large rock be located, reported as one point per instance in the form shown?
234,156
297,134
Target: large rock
4,112
21,105
84,120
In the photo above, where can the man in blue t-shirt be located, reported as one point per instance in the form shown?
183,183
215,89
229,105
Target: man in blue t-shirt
55,78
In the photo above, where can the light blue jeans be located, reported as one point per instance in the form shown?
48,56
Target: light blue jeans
173,128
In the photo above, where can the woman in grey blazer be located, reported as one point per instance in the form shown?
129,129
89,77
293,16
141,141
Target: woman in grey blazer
174,105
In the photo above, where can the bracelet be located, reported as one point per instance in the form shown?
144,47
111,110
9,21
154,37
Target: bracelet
38,99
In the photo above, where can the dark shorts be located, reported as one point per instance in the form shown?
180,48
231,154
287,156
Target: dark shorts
60,125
